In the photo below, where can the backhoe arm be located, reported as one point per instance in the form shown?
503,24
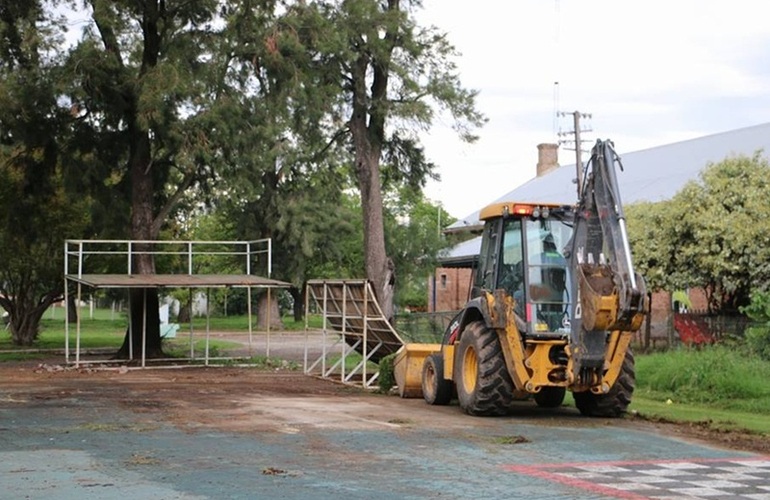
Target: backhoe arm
610,295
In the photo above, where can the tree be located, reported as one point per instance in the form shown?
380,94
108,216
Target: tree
309,223
413,227
162,89
289,186
39,208
653,238
714,234
392,75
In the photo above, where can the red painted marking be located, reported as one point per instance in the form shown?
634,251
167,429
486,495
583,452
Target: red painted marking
577,483
620,463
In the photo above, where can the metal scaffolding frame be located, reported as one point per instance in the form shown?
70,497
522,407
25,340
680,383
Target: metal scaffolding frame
186,254
353,320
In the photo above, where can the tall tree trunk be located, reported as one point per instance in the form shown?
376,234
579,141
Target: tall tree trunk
185,312
298,297
367,127
379,268
24,324
274,312
72,308
144,225
145,313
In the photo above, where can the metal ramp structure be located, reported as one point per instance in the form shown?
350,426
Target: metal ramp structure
353,322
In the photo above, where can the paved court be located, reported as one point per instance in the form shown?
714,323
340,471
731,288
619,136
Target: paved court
228,433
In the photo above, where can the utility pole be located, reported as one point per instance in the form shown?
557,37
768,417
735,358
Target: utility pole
576,131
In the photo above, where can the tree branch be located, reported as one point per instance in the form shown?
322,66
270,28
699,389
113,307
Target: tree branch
162,215
379,88
109,39
337,136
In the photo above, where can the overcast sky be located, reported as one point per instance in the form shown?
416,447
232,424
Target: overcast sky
650,72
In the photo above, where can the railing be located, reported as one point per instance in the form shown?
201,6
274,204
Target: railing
172,257
424,327
188,260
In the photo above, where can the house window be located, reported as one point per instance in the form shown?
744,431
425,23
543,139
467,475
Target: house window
443,281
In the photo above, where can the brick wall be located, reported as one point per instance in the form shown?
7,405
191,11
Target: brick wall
451,286
662,316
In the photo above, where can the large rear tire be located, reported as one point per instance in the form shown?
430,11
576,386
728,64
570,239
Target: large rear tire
550,397
484,386
436,390
615,403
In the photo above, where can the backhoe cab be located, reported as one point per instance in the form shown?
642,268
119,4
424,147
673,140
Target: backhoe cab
553,306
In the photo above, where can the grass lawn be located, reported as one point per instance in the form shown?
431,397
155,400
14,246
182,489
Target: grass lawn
106,328
725,387
93,333
713,417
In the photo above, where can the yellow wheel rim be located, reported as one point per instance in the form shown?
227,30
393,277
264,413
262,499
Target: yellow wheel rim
470,369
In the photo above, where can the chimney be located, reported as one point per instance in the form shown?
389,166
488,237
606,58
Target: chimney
547,158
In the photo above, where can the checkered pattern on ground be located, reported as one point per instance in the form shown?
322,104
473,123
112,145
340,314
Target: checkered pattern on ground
740,478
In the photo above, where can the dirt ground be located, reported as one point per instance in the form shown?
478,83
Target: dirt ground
273,400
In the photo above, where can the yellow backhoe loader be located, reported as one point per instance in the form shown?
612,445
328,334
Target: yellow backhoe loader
554,303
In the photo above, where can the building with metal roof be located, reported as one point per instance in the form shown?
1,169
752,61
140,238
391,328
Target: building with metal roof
653,174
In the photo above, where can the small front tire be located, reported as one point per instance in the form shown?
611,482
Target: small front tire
436,390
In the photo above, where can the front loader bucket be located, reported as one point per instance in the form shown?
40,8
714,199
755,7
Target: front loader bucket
407,368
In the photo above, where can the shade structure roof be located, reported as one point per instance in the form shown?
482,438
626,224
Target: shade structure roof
176,281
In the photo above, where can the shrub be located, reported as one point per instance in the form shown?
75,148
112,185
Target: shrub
758,341
387,378
758,336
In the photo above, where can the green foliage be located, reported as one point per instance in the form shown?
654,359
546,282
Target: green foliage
387,378
758,340
716,375
314,321
703,416
758,309
180,347
340,254
757,337
375,78
265,363
94,333
713,234
39,208
423,327
235,115
413,240
418,62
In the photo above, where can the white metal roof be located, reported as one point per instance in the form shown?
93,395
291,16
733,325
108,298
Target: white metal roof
653,174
